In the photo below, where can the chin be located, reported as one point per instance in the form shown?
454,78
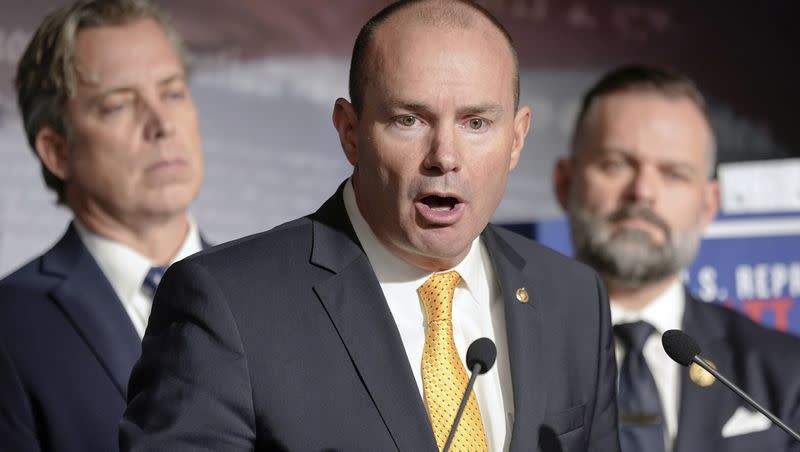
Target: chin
449,253
172,202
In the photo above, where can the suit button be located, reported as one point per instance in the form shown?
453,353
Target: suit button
522,295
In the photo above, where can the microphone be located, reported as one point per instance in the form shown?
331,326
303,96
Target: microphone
480,358
684,350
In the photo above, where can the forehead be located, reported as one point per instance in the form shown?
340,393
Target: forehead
130,53
409,59
648,125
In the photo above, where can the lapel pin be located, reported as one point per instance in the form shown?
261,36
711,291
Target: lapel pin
700,376
522,295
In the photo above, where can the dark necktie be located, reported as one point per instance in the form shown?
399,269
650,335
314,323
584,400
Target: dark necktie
152,279
641,419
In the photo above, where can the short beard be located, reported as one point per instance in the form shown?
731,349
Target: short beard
630,257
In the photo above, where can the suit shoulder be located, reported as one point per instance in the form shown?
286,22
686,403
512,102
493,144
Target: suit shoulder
25,303
284,238
550,257
36,274
25,277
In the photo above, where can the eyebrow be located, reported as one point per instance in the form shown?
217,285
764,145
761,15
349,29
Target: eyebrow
630,155
481,109
175,77
128,89
466,110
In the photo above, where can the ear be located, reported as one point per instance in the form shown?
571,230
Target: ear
562,181
522,124
710,202
345,120
52,149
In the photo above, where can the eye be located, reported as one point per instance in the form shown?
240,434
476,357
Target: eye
675,175
614,165
407,121
110,109
175,94
476,123
114,108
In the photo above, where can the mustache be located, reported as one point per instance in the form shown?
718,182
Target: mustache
639,212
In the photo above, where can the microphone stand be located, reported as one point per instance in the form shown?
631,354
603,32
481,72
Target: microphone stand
702,363
476,370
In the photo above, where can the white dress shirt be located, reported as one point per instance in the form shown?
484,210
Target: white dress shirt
126,269
477,312
664,313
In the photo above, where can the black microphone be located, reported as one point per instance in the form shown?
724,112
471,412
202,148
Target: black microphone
480,358
684,350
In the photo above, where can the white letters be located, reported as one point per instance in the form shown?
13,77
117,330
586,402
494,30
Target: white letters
768,280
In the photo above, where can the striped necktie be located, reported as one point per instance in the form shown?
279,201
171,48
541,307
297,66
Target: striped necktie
152,279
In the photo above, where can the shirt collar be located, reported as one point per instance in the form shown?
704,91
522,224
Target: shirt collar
391,269
665,312
124,267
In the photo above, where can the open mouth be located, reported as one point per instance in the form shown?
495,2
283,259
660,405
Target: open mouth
440,203
440,209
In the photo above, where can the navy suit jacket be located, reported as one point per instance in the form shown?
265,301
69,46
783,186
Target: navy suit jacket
67,347
284,341
763,362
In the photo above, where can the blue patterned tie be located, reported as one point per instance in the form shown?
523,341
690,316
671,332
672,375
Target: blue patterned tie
641,419
152,279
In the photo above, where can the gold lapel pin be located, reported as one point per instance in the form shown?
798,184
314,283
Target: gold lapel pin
522,295
700,376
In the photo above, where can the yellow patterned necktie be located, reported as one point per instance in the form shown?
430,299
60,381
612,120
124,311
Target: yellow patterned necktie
444,378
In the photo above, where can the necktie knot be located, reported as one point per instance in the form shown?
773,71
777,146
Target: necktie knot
634,335
436,294
152,279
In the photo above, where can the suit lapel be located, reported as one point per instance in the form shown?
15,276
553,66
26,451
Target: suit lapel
703,410
93,307
355,303
523,329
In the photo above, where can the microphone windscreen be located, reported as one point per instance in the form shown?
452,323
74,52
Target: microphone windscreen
680,346
481,351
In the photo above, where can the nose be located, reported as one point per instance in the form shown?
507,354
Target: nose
443,156
158,121
644,186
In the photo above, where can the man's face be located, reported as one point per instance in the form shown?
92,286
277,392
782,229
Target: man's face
436,140
637,192
133,149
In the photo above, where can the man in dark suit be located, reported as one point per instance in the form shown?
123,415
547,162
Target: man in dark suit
639,190
347,329
105,104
